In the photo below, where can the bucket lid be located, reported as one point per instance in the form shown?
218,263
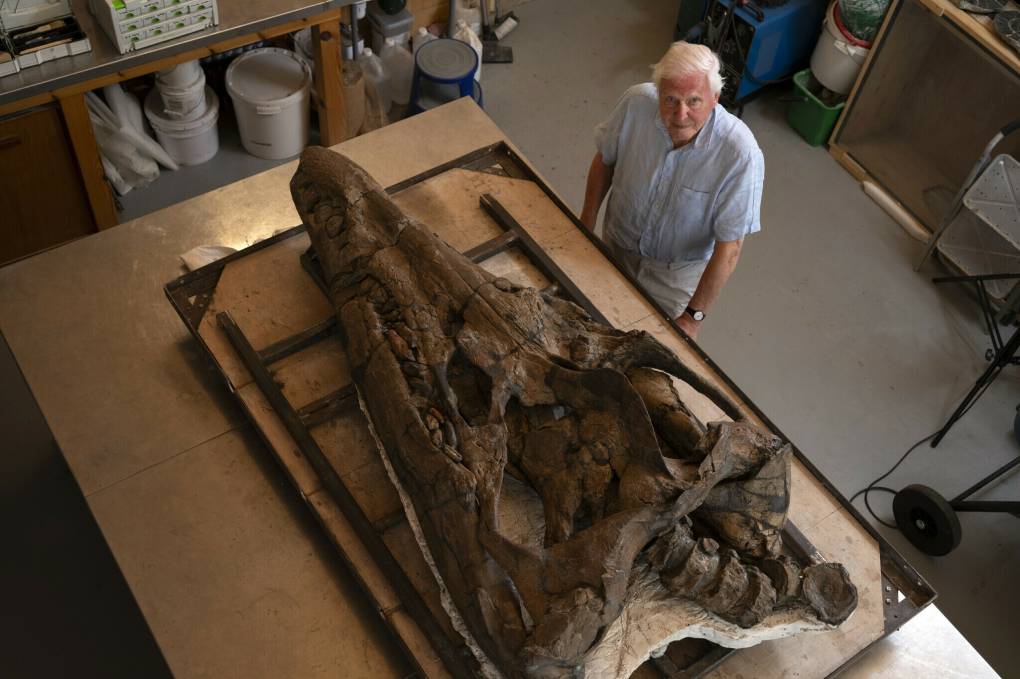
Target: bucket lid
446,59
268,75
159,119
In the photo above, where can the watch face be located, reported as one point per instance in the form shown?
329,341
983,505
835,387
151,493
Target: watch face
699,315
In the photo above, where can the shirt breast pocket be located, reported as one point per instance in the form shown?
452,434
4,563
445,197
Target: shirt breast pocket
686,232
693,208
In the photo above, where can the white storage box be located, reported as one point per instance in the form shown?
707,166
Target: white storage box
134,24
20,13
58,37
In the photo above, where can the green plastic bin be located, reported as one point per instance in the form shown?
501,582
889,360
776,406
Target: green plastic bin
808,115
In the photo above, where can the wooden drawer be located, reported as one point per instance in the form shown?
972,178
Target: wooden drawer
42,198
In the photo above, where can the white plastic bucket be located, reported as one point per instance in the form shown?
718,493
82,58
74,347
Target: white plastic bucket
270,90
180,75
184,103
189,142
835,62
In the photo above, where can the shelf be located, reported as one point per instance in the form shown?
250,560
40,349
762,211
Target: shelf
231,163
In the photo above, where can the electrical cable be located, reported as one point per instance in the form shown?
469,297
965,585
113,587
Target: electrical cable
873,487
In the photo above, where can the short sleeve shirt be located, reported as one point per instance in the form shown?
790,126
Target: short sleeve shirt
669,204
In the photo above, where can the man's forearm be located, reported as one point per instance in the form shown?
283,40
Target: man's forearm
600,178
717,273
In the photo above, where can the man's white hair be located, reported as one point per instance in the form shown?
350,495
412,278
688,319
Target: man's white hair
684,58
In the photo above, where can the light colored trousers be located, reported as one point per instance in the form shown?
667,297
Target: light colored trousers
668,283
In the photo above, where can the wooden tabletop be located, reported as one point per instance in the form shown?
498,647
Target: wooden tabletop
217,548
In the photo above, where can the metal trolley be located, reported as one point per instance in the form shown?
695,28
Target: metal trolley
992,193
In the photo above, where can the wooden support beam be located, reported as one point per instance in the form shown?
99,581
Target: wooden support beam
24,104
328,68
86,151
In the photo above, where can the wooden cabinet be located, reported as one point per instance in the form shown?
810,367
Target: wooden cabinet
938,85
42,198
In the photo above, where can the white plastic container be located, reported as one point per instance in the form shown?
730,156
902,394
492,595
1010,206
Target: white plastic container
835,62
376,78
189,142
270,90
185,102
397,26
181,75
399,66
471,13
465,34
421,37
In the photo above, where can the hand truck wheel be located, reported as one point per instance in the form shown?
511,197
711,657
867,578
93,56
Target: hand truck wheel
927,520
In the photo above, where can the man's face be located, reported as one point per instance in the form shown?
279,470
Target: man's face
685,104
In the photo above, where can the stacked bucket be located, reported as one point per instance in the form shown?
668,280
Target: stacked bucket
820,92
183,112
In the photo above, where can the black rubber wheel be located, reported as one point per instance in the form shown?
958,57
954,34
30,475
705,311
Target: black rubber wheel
927,520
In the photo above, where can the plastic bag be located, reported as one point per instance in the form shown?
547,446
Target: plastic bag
863,17
129,156
465,34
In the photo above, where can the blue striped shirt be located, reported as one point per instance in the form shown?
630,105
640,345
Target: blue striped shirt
672,205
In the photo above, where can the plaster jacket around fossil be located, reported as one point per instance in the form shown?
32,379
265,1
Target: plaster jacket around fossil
492,403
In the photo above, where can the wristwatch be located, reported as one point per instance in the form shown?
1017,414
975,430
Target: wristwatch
696,314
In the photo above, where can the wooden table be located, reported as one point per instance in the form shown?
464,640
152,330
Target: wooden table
213,541
242,22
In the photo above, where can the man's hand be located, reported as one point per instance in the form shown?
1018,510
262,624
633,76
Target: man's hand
718,271
689,325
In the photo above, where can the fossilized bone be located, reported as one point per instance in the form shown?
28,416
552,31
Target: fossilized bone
466,377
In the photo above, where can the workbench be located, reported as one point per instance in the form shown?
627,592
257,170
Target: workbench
204,526
64,82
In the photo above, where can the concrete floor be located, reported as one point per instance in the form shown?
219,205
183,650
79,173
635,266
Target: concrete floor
824,325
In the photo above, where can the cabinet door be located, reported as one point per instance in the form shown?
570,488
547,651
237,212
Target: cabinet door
42,199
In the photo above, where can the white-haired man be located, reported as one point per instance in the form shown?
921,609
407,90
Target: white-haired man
687,180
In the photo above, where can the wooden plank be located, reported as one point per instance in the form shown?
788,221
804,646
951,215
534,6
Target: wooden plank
848,163
332,112
271,278
890,13
28,102
86,151
979,28
418,644
401,542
